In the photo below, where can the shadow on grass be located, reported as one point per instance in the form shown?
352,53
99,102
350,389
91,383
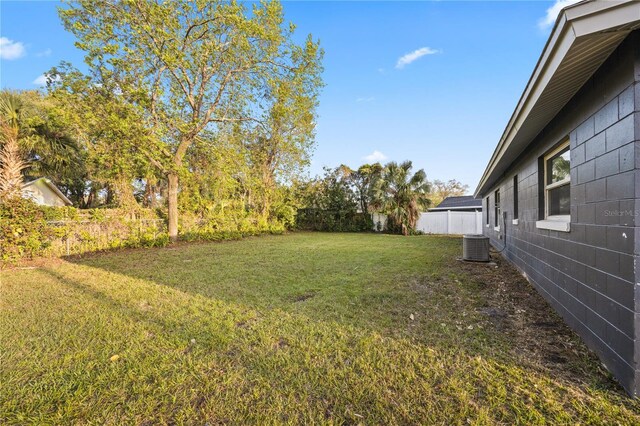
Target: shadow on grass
374,282
398,287
293,367
271,349
301,329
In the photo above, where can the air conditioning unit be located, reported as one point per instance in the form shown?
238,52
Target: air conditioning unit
475,248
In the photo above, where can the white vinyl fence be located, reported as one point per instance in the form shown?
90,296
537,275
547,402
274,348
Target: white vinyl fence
446,222
450,222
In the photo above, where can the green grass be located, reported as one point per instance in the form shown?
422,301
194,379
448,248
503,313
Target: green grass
302,328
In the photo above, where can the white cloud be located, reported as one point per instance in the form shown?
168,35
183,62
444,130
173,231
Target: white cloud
42,80
44,53
382,71
367,99
10,49
552,13
375,157
412,56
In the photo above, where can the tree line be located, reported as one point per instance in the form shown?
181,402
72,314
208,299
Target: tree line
392,189
205,110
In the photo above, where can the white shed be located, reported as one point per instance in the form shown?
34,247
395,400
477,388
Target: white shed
43,192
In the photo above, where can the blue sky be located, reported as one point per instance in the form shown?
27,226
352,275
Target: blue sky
444,106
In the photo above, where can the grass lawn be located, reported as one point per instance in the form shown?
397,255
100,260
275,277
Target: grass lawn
302,328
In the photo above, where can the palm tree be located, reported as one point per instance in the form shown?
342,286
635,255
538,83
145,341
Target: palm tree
401,195
29,138
11,161
48,146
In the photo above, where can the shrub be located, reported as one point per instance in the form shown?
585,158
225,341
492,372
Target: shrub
28,230
333,220
23,230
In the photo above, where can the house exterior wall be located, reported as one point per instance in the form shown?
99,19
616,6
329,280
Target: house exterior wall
587,274
41,194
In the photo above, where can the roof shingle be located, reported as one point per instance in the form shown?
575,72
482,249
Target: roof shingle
465,201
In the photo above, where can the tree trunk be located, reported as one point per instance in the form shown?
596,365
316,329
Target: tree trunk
110,195
266,209
173,206
268,182
123,190
91,198
150,192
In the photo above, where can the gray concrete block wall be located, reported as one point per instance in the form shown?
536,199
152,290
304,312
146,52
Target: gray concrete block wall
588,274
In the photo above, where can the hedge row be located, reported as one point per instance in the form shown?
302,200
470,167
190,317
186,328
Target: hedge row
28,230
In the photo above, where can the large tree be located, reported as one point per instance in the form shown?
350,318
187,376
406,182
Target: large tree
451,188
280,144
189,67
363,181
110,131
402,195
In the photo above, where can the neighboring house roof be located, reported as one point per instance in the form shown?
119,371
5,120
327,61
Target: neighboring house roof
584,36
465,202
47,183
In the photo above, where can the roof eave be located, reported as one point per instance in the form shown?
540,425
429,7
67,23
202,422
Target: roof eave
456,208
576,21
51,186
58,192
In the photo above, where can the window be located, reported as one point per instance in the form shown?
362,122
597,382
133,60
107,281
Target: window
515,197
496,209
557,179
487,210
556,189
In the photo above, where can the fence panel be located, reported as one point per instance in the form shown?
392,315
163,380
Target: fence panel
81,236
379,221
450,222
433,223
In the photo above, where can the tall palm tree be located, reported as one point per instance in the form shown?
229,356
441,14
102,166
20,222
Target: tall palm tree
11,161
401,195
30,139
48,146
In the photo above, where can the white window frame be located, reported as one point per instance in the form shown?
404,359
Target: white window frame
554,222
